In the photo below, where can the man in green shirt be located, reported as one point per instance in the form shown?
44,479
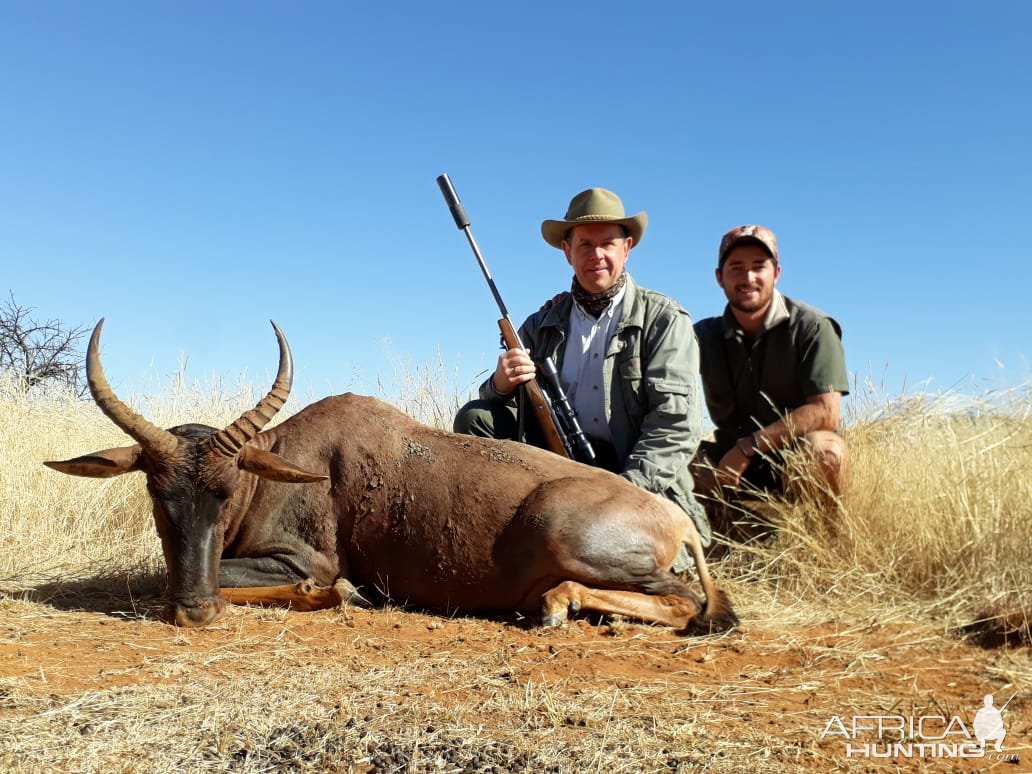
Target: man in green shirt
773,372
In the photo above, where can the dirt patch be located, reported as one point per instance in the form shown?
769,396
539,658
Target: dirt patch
391,690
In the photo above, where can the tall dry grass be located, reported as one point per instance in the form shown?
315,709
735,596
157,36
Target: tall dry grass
54,526
939,509
938,512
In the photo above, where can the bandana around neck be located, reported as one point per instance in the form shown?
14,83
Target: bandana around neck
595,303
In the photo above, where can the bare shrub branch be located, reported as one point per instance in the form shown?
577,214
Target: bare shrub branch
38,351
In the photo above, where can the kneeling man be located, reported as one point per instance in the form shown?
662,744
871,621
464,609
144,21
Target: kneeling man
773,373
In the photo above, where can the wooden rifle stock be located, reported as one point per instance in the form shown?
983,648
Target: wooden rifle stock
538,399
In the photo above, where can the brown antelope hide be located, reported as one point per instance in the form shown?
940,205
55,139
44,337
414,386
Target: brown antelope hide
373,505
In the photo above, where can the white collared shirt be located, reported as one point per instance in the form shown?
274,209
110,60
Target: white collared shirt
581,375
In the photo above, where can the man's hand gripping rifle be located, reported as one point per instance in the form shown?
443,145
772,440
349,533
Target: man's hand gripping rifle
552,409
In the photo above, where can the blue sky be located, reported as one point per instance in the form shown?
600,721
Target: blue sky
190,170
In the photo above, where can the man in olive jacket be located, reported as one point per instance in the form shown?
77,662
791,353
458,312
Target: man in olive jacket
627,359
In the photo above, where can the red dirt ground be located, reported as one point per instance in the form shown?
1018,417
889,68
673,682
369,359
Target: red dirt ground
790,679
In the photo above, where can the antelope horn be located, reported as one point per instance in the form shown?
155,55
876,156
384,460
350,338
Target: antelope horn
230,441
153,438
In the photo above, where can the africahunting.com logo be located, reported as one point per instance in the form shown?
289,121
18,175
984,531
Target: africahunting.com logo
924,736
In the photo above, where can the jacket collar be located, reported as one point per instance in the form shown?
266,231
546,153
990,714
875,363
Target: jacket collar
633,309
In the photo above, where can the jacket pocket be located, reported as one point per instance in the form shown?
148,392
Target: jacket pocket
670,396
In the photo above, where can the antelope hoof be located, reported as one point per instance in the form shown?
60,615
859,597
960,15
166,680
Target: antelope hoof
348,594
552,620
560,616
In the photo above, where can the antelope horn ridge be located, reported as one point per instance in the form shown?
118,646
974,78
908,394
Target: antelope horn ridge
151,437
231,440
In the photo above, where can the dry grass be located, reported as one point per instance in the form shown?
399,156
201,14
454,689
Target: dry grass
852,599
56,527
269,691
431,392
938,513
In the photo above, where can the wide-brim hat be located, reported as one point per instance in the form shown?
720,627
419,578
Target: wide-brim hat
749,233
596,205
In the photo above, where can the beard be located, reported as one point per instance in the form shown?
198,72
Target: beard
752,304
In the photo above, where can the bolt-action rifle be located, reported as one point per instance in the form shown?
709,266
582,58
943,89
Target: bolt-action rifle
555,416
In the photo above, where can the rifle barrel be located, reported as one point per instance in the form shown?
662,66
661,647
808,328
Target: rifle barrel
458,212
551,411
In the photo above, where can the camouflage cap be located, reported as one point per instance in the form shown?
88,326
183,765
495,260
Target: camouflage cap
751,233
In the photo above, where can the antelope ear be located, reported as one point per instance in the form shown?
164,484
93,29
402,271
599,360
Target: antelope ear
102,464
274,467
